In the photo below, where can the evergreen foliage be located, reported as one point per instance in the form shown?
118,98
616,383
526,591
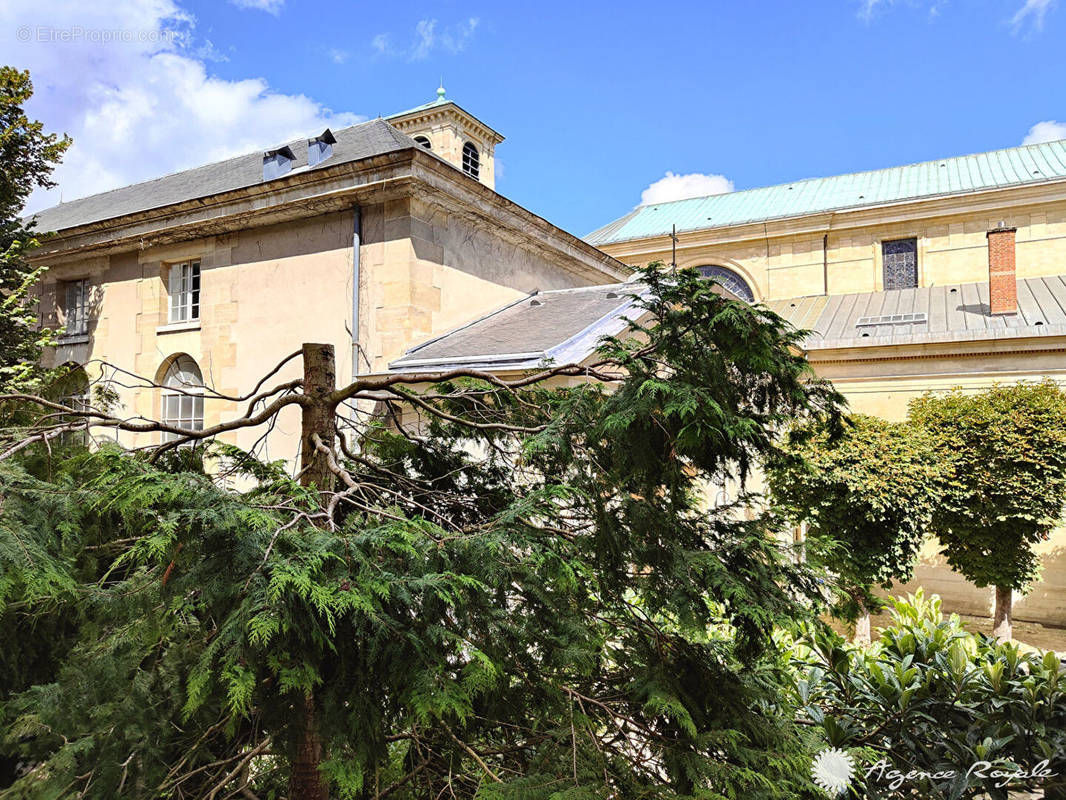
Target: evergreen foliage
521,594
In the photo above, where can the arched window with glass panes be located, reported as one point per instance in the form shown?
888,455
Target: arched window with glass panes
729,280
183,396
471,160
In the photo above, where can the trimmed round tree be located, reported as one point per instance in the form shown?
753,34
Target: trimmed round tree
867,497
1005,449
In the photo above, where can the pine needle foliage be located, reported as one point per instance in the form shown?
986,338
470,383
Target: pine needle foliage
522,595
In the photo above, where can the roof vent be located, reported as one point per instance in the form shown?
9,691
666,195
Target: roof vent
277,162
611,295
917,318
320,148
535,303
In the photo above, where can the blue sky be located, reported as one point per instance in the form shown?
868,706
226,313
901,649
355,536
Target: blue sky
599,101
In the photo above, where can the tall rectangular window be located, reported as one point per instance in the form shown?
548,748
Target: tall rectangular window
76,307
184,288
900,263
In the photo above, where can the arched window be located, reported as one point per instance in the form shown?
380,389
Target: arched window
71,388
422,140
728,279
471,160
183,396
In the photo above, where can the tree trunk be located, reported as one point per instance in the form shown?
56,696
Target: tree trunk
320,378
1002,621
862,621
305,780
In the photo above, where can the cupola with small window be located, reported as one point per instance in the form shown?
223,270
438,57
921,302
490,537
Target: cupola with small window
443,127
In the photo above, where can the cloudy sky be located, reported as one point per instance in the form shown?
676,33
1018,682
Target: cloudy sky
604,105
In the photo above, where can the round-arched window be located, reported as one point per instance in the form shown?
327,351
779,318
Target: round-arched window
471,160
183,396
422,140
728,279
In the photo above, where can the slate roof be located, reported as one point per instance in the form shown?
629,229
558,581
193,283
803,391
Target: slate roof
562,326
354,143
953,313
1015,166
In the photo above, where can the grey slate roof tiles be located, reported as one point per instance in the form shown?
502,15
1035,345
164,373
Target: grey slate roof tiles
365,140
562,325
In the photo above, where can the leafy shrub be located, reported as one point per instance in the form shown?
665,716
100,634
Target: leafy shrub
930,697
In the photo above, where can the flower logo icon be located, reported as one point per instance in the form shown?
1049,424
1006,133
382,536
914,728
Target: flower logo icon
832,770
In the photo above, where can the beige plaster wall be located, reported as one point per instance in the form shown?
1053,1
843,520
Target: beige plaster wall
264,291
952,248
785,259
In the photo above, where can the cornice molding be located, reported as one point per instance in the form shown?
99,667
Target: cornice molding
454,112
1013,197
974,349
404,173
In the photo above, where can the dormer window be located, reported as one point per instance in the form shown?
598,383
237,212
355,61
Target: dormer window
471,160
424,142
277,162
320,148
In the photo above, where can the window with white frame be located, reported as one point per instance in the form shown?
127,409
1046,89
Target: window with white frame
76,307
184,286
183,396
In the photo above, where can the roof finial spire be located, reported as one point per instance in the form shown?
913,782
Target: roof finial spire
440,89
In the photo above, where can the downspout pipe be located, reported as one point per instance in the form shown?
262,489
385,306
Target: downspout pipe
825,264
357,231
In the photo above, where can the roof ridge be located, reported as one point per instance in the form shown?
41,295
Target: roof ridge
600,286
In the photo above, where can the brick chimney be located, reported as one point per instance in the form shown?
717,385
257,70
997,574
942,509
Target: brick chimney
1002,278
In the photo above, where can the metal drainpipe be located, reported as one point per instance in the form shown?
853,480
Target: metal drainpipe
357,221
825,264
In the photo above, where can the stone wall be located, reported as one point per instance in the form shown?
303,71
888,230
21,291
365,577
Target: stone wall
952,248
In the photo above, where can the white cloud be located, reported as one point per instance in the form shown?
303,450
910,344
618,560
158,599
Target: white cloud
338,56
206,51
1047,131
681,187
144,105
457,37
428,37
1033,11
868,8
269,6
425,38
382,44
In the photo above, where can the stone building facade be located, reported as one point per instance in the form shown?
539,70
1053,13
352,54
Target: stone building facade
363,238
950,273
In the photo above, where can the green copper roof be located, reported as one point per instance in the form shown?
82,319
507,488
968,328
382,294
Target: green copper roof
1014,166
440,101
